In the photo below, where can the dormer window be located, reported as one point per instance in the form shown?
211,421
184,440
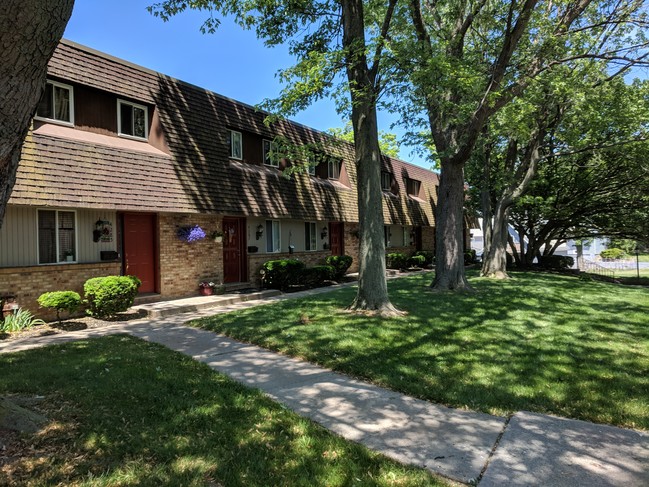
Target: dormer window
333,169
386,181
56,103
132,120
412,187
235,144
268,160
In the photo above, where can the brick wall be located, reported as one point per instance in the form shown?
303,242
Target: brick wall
183,265
28,283
428,238
351,244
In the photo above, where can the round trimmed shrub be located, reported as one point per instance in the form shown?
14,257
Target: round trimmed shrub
106,296
340,263
396,260
60,301
317,275
281,273
612,254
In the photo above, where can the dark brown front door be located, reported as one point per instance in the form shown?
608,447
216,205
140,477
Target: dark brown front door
234,250
336,240
139,249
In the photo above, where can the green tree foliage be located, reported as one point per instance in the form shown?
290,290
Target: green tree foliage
388,142
592,180
465,61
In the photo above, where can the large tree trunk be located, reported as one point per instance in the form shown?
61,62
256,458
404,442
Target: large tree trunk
29,33
494,260
449,221
372,292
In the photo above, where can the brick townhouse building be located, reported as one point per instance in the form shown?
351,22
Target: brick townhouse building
121,158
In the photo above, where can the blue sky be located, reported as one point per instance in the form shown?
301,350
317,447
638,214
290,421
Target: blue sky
232,62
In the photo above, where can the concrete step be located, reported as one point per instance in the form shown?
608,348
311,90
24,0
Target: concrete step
162,309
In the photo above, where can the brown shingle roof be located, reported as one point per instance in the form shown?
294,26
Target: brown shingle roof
198,176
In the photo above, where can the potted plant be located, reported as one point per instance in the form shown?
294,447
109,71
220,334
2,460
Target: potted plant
206,288
217,236
69,255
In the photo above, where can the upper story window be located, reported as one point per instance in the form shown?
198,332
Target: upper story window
268,147
412,187
235,144
57,103
333,168
132,119
386,181
56,236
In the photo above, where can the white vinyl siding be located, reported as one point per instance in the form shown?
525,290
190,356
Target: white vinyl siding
19,236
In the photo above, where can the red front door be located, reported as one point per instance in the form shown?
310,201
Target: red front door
139,249
336,240
234,250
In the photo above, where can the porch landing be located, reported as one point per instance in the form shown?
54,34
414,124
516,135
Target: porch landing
162,309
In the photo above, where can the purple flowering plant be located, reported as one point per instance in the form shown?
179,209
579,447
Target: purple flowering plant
191,234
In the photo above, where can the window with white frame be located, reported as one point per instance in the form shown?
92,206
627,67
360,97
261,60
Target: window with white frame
273,236
268,159
56,103
56,236
235,144
386,181
333,168
387,235
132,119
310,237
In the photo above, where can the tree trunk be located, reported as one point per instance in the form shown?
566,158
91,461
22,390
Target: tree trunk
494,262
29,32
449,221
372,292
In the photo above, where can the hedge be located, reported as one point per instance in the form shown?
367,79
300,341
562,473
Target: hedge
340,263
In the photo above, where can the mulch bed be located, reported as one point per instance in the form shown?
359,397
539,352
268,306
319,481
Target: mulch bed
73,324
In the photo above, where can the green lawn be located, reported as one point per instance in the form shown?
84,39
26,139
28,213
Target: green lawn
540,342
126,412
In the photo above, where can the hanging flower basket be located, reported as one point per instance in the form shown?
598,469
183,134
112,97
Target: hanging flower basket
217,236
191,234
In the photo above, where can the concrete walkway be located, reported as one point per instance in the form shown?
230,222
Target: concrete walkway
529,449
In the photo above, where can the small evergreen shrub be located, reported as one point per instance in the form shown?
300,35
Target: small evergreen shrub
109,295
612,254
470,257
317,275
428,255
20,320
417,261
556,262
396,260
281,273
60,301
340,263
